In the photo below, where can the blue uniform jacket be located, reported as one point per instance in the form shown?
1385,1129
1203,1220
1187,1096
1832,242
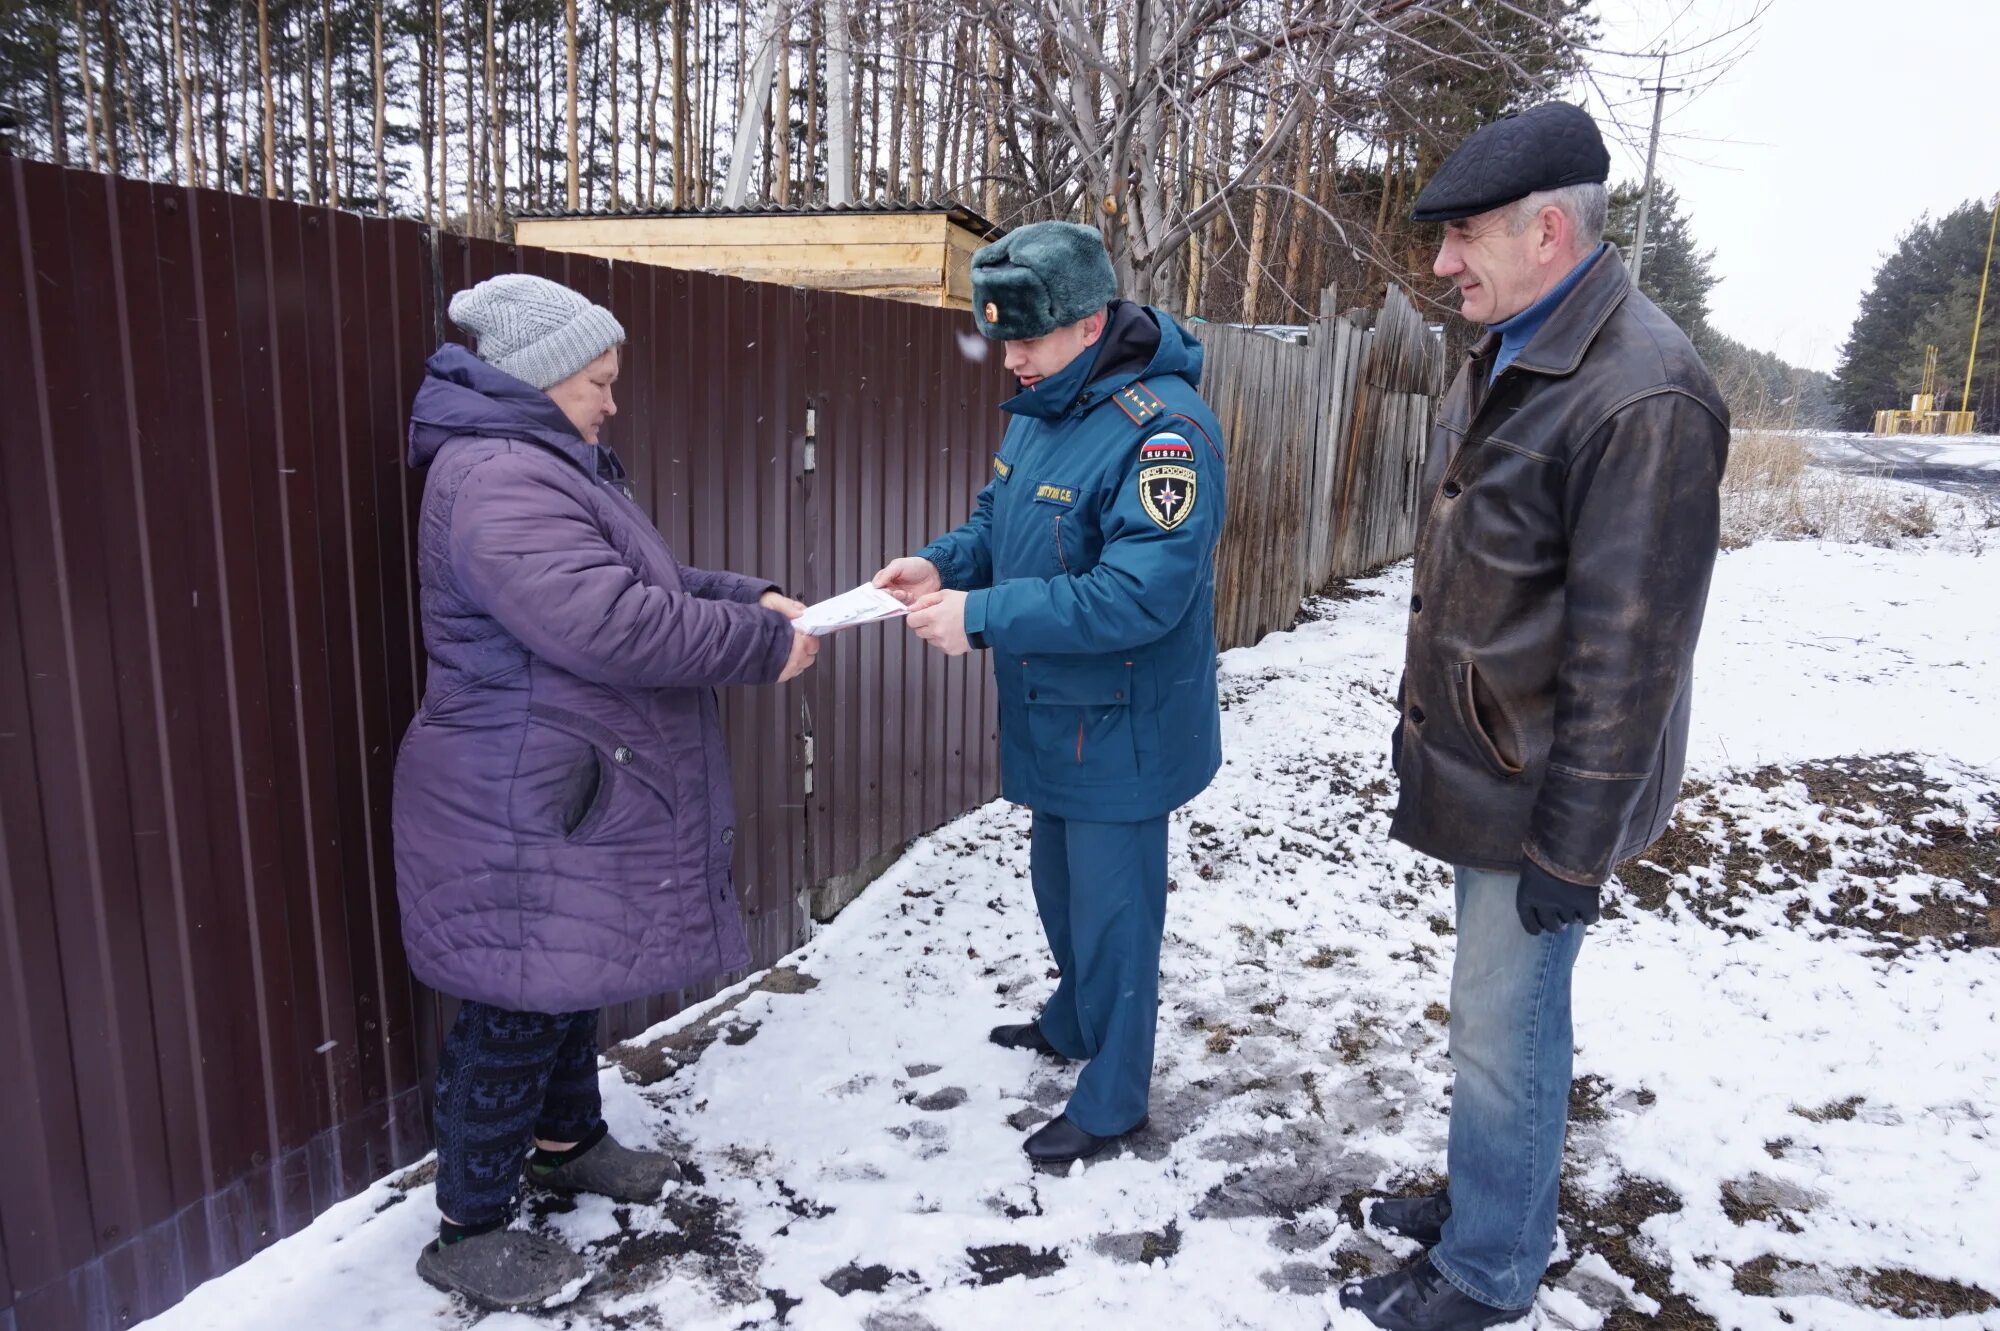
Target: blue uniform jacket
1090,563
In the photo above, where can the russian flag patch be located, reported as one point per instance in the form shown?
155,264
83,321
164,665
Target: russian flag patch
1167,448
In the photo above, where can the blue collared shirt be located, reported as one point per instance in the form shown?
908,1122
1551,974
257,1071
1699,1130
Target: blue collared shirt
1517,332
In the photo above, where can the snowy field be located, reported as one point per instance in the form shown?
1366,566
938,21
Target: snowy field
1788,1056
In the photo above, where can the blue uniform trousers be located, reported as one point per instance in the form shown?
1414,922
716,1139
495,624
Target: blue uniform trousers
1101,889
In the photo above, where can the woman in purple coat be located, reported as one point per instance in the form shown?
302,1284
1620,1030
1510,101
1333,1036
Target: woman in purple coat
563,815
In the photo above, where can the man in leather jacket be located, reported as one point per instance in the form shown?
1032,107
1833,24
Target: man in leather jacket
1568,528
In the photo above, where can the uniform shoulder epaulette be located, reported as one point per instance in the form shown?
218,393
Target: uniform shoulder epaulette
1139,402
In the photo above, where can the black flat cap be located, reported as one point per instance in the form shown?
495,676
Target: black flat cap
1546,148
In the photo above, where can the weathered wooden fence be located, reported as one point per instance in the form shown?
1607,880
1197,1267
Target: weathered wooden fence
1325,442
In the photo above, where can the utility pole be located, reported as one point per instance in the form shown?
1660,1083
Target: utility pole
1979,313
1659,91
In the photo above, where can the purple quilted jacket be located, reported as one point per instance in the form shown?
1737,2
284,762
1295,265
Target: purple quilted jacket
563,816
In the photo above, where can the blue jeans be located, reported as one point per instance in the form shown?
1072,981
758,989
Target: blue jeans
1101,889
1510,1056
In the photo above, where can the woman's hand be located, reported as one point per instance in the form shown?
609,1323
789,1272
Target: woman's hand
910,579
805,649
783,604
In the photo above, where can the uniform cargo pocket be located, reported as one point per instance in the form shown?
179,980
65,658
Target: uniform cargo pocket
1080,720
1493,732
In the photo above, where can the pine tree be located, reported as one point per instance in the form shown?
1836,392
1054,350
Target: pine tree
1924,294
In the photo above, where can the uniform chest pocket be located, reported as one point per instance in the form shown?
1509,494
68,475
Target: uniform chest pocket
1080,719
1072,542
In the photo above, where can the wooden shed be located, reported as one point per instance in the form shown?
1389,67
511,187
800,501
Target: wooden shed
920,253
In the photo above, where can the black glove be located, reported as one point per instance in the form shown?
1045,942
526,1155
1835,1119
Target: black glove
1547,903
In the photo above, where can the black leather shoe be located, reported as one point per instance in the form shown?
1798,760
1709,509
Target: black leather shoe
1059,1141
1028,1035
1419,1218
1417,1298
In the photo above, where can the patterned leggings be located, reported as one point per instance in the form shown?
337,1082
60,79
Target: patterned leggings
506,1078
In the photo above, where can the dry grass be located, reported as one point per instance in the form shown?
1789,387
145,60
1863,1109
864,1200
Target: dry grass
1773,492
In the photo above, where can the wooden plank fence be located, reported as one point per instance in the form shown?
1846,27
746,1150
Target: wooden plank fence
1325,445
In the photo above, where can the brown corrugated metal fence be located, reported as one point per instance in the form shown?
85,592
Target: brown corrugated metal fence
208,651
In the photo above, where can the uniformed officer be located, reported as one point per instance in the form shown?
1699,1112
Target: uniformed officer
1087,568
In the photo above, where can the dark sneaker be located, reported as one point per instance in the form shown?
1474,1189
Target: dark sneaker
1028,1035
1060,1142
1418,1298
1419,1218
504,1270
609,1170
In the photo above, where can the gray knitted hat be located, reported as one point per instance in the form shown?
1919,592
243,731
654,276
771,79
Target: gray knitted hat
539,331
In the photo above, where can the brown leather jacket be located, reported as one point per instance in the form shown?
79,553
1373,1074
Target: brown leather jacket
1567,529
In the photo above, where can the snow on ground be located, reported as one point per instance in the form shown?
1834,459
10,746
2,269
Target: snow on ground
1788,1052
1972,451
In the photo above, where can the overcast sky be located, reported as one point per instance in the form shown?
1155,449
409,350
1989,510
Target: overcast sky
1843,122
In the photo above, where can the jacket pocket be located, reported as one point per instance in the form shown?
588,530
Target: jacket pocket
1497,740
1080,719
587,794
610,781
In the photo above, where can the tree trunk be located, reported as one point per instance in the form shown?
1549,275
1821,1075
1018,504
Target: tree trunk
569,52
914,73
992,103
1260,212
381,113
58,110
190,132
681,132
892,173
243,102
1295,246
653,119
839,104
326,100
89,90
269,103
107,86
781,117
441,114
496,124
617,128
815,45
427,127
473,156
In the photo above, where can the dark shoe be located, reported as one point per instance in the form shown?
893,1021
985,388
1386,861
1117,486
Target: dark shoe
1419,1218
1028,1035
1059,1141
609,1170
504,1270
1418,1298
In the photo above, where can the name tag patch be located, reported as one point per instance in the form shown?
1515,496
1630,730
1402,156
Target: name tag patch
1002,468
1167,493
1055,494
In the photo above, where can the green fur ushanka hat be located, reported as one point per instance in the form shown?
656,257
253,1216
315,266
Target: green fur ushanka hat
1040,278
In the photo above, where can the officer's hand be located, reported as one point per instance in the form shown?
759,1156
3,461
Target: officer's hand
782,603
1547,903
805,650
939,619
909,580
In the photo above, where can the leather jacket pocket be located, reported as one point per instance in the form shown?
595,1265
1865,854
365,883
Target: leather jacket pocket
1486,722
